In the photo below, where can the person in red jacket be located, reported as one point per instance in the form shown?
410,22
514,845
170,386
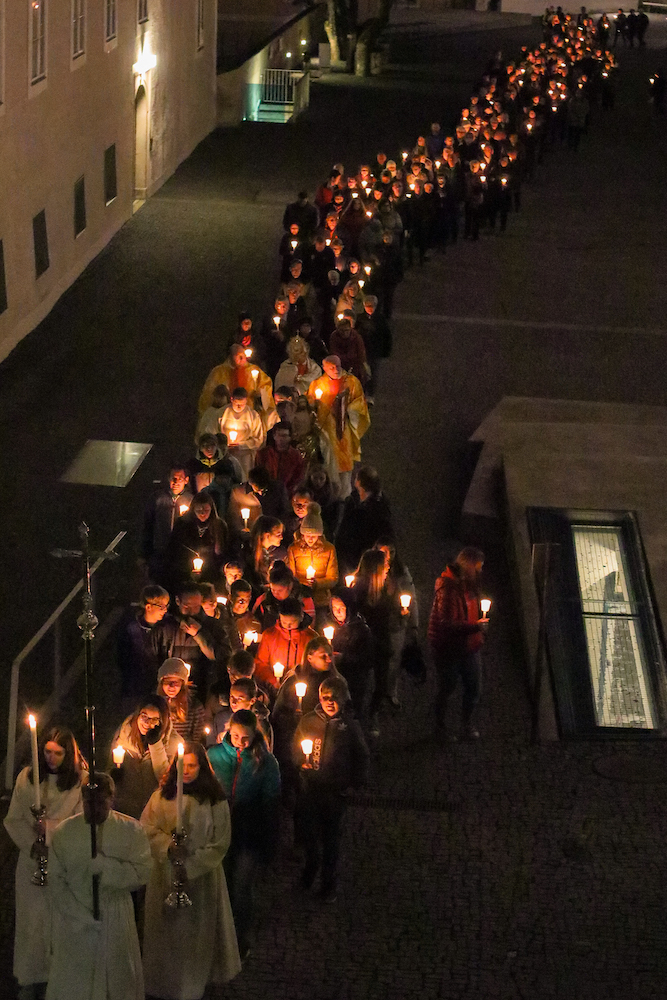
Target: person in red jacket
281,459
284,643
456,635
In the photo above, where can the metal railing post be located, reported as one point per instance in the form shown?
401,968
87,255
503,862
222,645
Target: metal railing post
57,654
10,760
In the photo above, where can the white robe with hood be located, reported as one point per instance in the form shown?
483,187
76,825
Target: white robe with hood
97,959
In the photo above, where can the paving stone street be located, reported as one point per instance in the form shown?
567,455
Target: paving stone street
493,870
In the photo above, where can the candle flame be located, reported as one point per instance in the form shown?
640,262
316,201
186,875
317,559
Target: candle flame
307,747
245,513
300,689
349,580
254,372
181,750
328,632
32,722
318,393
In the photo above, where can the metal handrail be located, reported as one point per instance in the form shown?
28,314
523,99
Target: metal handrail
52,620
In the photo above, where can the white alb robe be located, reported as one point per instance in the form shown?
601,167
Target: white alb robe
185,949
97,959
32,937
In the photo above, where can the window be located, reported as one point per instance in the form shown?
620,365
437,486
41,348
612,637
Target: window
79,206
200,24
37,41
41,243
142,11
3,282
110,28
78,28
110,183
604,648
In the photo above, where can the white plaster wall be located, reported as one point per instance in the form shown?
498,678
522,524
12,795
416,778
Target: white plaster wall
51,138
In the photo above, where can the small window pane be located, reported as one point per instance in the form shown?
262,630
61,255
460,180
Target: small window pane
110,184
79,206
3,282
78,28
142,10
37,40
41,243
110,20
613,627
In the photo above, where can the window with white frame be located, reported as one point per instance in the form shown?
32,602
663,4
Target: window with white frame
78,28
200,24
37,40
110,20
142,10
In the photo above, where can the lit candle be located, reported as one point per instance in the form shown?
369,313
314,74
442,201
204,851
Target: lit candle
245,514
248,352
369,214
310,572
328,632
188,667
340,316
249,638
307,747
232,436
349,580
183,508
197,564
300,690
255,373
278,670
364,184
404,155
355,194
207,730
294,244
32,722
221,600
276,320
318,393
368,268
179,788
405,600
361,282
328,242
437,164
485,605
118,754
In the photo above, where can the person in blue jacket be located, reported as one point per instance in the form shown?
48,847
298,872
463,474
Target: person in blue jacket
250,776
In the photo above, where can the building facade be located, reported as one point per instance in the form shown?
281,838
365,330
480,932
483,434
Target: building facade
100,100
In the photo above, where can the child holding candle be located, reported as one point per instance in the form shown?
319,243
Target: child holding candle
188,948
353,647
250,777
339,760
61,771
312,559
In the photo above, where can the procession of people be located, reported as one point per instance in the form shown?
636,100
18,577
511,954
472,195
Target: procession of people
279,614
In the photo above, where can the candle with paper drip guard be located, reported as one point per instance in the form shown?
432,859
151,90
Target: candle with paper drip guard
220,599
232,436
249,638
248,352
310,572
255,373
118,754
276,320
485,605
406,600
318,393
197,564
179,788
300,689
183,508
307,747
245,514
32,722
328,632
278,670
349,579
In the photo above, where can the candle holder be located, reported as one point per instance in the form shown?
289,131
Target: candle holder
40,852
178,898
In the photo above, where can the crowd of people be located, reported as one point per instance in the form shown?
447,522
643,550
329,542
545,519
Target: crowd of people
278,612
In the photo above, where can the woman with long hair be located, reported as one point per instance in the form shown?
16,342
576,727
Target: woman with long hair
188,947
149,741
404,621
187,713
62,772
379,605
250,776
199,533
265,547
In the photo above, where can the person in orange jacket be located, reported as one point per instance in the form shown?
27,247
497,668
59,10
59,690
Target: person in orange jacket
284,643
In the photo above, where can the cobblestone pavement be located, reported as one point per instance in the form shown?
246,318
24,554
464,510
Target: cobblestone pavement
487,870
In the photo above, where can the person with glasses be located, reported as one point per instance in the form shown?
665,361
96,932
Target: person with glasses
150,744
137,661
